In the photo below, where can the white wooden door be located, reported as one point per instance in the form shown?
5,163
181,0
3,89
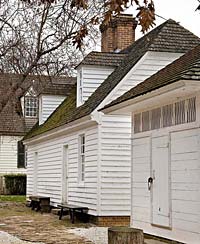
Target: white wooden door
160,189
65,175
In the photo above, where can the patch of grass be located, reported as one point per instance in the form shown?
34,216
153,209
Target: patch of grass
12,198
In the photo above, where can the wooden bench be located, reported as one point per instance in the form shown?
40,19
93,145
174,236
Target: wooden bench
40,203
72,210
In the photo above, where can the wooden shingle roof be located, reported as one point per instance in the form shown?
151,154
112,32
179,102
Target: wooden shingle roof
103,59
12,121
170,37
186,67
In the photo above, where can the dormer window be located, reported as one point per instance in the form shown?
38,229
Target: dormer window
31,104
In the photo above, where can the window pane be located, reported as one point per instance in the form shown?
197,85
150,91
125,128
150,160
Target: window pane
191,110
31,106
167,113
180,112
137,122
145,121
20,155
82,158
155,118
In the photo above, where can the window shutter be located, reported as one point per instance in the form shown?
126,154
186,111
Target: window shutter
20,155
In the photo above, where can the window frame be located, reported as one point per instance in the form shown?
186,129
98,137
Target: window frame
25,106
81,159
21,163
81,86
189,112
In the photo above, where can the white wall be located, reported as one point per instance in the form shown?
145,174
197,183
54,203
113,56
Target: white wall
148,65
92,77
115,140
47,104
49,174
185,181
8,155
115,144
110,145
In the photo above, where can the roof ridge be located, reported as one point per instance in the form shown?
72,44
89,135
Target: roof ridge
179,69
150,33
165,26
171,42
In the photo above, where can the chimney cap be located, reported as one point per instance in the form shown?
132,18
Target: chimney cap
122,19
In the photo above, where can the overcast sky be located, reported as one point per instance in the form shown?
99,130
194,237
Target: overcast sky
182,11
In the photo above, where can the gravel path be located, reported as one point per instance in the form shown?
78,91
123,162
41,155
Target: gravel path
6,238
98,235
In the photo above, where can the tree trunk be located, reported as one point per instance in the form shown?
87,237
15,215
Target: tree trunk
125,235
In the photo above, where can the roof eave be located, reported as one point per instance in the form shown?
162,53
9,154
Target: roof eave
127,106
61,130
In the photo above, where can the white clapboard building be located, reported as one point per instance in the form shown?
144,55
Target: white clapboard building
20,113
165,161
83,156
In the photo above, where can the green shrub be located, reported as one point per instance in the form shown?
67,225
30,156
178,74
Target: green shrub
15,184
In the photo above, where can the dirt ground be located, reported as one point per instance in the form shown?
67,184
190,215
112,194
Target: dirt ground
20,221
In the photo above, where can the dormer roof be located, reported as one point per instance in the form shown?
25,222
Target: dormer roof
186,67
12,121
168,37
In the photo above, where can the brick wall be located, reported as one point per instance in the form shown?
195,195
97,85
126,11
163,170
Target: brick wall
107,221
118,34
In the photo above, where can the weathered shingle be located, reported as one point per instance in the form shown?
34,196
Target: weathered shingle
186,67
12,121
169,36
103,59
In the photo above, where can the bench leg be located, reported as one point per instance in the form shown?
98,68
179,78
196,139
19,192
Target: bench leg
38,206
61,214
71,211
32,205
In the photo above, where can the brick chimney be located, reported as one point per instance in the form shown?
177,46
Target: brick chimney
118,34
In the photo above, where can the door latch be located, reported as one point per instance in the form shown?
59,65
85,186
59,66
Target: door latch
150,182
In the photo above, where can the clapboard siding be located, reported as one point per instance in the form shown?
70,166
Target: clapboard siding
140,173
47,104
115,165
92,77
150,64
185,201
50,162
185,182
8,155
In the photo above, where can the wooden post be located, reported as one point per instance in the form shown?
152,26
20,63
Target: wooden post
125,235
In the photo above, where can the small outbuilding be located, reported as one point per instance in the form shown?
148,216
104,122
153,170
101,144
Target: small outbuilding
81,156
165,162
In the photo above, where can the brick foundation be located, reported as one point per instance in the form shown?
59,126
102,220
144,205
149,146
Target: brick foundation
107,221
